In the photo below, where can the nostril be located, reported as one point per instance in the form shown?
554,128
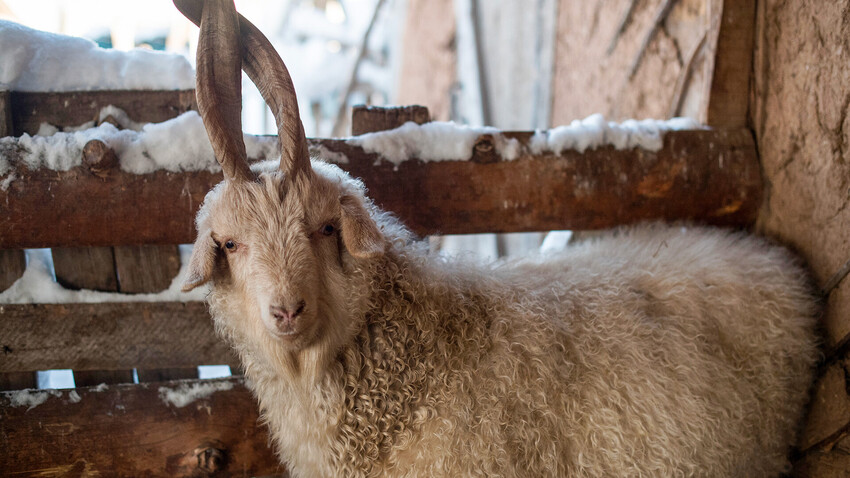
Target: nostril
281,313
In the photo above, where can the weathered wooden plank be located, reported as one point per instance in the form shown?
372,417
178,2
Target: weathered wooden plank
710,176
6,126
108,336
368,119
833,462
29,110
85,268
731,35
136,430
92,378
13,263
828,421
146,269
17,380
166,374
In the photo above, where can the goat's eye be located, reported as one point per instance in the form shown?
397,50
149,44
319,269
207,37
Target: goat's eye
328,229
230,246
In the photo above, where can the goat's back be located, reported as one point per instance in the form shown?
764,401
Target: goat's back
658,351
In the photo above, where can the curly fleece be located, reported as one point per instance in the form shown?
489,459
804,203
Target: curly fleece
654,351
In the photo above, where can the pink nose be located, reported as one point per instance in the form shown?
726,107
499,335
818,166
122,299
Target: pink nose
287,314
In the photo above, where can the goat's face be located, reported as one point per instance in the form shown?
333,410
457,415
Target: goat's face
283,254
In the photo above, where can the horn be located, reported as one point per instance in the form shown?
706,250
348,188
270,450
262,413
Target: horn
219,86
266,69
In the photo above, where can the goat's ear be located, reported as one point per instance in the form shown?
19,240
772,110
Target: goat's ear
202,262
360,234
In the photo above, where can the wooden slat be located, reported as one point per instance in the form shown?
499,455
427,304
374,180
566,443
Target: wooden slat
6,125
92,378
146,269
368,119
29,110
85,268
166,374
133,430
109,336
704,175
18,380
828,421
732,32
13,263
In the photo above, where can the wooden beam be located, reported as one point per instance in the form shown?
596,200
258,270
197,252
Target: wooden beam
369,119
135,430
709,176
29,110
731,37
109,336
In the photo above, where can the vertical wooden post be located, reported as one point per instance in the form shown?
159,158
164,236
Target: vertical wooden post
731,35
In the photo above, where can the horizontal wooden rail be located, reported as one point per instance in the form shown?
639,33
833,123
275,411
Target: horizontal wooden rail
180,429
29,110
109,336
709,176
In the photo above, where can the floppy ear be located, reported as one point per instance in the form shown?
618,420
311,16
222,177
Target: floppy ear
360,234
202,262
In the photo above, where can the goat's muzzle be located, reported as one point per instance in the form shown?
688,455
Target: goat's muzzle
288,318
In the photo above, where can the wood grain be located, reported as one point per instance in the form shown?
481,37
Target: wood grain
146,269
17,380
132,430
13,263
109,336
369,119
85,268
29,110
731,36
709,176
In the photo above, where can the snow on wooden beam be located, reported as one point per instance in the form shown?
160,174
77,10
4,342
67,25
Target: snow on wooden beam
109,336
709,176
29,110
180,429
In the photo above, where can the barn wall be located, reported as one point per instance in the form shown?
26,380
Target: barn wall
593,62
798,108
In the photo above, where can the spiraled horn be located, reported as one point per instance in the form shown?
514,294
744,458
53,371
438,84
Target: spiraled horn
266,69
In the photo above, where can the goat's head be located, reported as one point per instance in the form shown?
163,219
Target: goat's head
278,242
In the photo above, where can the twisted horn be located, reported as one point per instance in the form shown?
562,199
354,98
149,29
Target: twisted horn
219,86
266,69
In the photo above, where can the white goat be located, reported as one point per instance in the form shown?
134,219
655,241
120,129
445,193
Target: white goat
659,351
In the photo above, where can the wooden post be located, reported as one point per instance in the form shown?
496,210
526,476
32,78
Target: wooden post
369,119
732,30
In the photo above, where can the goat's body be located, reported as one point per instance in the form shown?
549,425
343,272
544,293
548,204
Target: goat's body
661,352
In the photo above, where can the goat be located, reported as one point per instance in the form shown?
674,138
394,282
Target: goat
657,351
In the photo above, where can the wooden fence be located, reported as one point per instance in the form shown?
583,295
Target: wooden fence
125,237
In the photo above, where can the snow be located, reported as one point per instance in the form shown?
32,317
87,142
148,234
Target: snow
434,141
178,144
447,141
34,60
37,286
594,132
30,398
186,393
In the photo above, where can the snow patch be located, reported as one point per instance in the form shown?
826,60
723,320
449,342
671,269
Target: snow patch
319,151
434,141
184,394
176,145
594,132
34,60
37,286
74,397
30,398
